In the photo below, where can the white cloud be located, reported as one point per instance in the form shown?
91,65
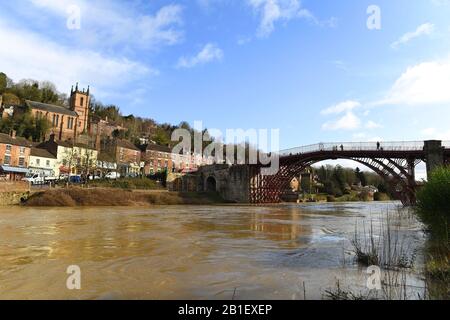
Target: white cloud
273,11
114,23
348,122
427,83
433,133
209,53
29,55
424,29
345,106
373,125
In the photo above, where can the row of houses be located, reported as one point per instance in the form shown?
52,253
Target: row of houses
55,158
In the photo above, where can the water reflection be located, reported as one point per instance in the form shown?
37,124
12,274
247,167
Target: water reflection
178,252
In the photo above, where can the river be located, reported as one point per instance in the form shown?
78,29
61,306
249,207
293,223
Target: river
189,252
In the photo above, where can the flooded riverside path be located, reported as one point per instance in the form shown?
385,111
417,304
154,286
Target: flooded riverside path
188,252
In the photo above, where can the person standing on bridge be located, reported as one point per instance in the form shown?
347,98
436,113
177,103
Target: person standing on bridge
378,145
342,147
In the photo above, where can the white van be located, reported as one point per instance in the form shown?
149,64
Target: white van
38,178
35,178
112,176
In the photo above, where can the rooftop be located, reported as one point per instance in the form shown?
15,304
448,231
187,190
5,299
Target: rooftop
42,153
127,145
18,141
159,148
50,108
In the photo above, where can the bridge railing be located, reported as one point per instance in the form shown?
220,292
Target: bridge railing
357,146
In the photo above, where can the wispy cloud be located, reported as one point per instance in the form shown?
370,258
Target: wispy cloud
273,11
210,52
37,57
345,106
422,30
114,23
433,133
348,122
372,125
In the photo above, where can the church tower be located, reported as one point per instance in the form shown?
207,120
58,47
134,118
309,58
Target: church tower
80,102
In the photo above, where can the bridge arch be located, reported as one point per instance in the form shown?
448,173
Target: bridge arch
211,184
397,173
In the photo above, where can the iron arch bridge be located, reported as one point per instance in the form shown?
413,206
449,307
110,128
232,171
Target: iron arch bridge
395,162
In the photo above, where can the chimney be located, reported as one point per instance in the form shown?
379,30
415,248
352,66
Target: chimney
13,134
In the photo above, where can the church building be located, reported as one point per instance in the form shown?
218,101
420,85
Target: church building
67,122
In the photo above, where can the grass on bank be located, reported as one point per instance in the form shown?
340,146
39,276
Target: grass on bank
80,197
127,184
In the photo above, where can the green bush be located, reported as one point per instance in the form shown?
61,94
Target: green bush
434,197
433,202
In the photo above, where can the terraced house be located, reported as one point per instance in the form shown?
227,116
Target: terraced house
157,158
126,155
14,157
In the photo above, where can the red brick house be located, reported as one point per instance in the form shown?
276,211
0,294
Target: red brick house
126,154
14,157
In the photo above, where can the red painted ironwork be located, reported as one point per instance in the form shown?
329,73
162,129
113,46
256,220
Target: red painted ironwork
393,161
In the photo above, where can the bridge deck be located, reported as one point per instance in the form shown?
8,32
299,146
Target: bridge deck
364,149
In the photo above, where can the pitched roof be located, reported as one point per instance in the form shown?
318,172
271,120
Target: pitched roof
42,153
126,145
50,108
18,141
157,147
70,144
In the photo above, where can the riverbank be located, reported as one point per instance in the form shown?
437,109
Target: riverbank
105,197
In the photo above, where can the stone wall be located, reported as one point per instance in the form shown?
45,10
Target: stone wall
13,193
231,182
434,154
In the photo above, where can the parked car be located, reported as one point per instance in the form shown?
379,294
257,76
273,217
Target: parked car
63,177
112,176
96,177
75,179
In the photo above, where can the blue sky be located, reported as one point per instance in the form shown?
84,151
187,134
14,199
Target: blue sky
312,68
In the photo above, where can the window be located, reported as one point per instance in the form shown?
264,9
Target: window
38,162
22,150
82,101
55,120
48,163
21,162
7,160
70,123
8,148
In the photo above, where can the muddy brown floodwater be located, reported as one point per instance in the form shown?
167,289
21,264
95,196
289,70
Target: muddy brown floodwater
189,252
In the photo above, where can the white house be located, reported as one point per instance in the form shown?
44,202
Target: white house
71,158
42,161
